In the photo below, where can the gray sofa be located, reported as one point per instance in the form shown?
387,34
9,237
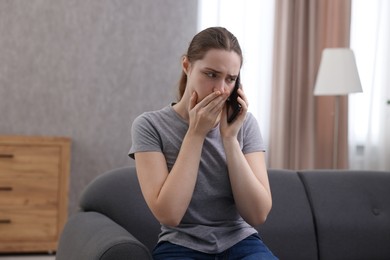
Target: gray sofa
317,214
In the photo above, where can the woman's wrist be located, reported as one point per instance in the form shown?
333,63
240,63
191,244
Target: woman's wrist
194,137
229,142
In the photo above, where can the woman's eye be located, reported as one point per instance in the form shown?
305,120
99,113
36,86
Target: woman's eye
231,80
211,74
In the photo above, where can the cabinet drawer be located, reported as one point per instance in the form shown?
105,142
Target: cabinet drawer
41,193
34,175
27,225
19,161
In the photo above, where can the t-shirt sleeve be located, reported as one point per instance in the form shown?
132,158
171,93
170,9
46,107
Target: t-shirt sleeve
144,136
252,139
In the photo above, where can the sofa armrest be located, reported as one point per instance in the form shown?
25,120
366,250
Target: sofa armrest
93,236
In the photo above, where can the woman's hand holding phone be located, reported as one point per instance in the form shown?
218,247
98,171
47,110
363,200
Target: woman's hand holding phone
230,129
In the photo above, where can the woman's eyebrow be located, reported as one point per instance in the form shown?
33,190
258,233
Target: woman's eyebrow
218,72
213,70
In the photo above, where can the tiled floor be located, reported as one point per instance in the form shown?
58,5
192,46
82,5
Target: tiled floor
27,257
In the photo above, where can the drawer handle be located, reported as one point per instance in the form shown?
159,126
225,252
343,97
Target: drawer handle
5,221
6,188
6,156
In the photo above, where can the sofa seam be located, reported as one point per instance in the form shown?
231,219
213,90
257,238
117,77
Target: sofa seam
314,217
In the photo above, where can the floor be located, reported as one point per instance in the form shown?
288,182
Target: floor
27,257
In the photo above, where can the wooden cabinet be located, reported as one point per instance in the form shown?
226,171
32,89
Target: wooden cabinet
34,177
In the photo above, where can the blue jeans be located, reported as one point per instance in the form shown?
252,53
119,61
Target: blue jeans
251,248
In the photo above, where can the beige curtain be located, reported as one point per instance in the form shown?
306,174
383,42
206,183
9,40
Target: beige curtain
301,129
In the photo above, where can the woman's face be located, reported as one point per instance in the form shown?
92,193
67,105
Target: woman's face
217,71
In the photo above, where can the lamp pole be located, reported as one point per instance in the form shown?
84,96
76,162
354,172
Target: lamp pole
336,131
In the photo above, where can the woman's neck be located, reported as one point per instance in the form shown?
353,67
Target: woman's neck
181,108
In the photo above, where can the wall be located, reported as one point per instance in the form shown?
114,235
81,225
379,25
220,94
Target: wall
86,69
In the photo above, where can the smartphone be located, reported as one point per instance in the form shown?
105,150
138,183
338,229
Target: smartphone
233,107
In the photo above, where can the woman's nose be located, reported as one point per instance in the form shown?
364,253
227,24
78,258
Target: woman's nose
220,85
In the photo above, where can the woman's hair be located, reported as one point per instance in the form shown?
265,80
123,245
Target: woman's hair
210,38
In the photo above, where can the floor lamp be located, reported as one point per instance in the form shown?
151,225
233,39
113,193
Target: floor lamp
337,76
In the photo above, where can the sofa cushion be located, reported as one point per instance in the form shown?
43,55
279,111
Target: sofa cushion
289,229
117,195
352,213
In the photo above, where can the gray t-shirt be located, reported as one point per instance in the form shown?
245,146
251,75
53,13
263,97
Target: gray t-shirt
211,223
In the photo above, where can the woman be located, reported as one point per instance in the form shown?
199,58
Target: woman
205,180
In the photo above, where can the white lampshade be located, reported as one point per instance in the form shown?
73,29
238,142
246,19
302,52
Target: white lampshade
338,74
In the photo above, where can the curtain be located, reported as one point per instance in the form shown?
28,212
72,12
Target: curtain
369,112
301,128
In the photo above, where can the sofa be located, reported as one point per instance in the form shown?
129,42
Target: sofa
316,214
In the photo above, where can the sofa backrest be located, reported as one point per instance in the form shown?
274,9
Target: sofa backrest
117,194
325,215
289,229
351,210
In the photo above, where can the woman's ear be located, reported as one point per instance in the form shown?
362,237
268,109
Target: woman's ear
185,63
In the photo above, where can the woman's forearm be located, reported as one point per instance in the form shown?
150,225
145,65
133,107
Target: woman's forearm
177,190
249,181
